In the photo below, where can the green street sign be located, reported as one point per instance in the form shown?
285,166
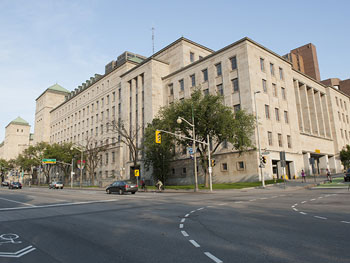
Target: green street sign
50,161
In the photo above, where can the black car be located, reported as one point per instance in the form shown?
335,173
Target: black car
15,185
347,176
4,183
122,187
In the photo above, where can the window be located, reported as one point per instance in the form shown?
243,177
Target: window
184,170
235,85
264,85
193,80
289,141
106,158
113,157
267,111
269,137
283,92
262,64
274,89
200,57
182,87
341,103
191,57
237,107
224,167
233,63
341,132
113,95
280,140
343,117
347,119
240,166
206,92
218,69
339,116
220,89
336,100
171,89
277,113
281,73
272,69
205,75
346,134
345,105
286,120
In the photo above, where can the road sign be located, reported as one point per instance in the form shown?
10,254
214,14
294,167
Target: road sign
51,161
137,172
265,153
317,151
190,150
81,166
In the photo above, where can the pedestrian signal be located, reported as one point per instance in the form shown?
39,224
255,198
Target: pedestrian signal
264,160
212,162
158,137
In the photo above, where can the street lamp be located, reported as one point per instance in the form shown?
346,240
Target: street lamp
81,163
179,121
257,131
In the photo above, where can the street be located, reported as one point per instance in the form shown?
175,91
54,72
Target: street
252,225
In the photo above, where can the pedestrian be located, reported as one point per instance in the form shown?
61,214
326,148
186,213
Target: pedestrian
329,176
143,185
303,178
159,185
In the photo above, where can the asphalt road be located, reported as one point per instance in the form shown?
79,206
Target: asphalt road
255,225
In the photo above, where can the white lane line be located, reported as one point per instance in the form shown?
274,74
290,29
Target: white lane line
194,243
181,226
275,196
320,197
312,199
346,222
238,202
211,256
252,200
18,253
295,209
187,215
209,206
13,201
320,217
263,198
56,205
192,211
223,204
200,208
282,195
303,202
183,220
184,233
295,204
303,213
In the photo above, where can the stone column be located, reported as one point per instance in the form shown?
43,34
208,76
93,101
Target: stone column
299,109
332,164
323,163
292,170
307,166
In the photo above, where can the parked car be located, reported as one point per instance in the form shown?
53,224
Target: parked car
15,185
347,176
122,187
5,184
56,185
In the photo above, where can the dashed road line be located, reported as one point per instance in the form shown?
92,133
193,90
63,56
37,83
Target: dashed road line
183,220
192,211
303,213
187,215
313,199
320,217
181,226
184,233
346,222
194,243
295,209
303,202
211,256
13,201
200,208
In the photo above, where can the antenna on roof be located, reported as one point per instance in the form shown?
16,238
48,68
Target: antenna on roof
152,40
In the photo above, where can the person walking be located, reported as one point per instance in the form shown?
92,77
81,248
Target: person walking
303,178
143,185
329,176
159,185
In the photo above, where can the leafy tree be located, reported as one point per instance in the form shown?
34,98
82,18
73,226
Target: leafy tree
5,166
213,118
158,156
345,156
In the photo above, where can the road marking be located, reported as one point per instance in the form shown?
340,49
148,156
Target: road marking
200,208
275,196
209,206
263,198
312,199
184,233
181,226
194,243
303,202
56,205
192,211
211,256
303,213
238,202
320,197
16,201
183,220
252,200
18,253
295,204
187,215
320,217
223,204
295,209
346,222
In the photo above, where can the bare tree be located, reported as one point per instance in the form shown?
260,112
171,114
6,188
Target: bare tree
130,137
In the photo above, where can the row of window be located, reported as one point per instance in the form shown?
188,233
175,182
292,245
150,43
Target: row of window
274,89
272,69
277,114
340,119
340,102
280,139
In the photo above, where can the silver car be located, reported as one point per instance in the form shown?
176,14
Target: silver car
56,185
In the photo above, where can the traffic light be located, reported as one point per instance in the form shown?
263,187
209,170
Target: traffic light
158,137
212,162
264,160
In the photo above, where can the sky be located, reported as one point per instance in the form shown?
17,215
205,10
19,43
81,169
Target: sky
43,42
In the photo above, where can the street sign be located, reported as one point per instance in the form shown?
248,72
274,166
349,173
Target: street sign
265,153
312,161
190,150
317,151
137,172
81,166
51,161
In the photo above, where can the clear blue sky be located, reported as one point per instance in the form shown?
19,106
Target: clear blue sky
43,42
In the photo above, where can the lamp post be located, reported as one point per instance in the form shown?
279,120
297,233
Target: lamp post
81,163
179,121
257,131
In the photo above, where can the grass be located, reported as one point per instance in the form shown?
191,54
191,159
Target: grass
336,182
239,185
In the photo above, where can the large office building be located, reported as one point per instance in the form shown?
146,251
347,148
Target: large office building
297,113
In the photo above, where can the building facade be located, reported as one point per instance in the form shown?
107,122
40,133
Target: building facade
297,114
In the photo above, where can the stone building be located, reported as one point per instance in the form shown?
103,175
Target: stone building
17,138
297,114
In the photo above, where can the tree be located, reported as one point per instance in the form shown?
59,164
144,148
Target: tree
4,167
345,156
213,118
63,155
158,156
130,137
